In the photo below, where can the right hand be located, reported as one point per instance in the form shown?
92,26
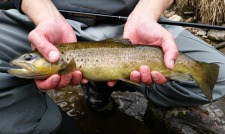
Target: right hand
51,28
49,32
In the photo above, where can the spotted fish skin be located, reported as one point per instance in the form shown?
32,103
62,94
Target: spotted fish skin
114,59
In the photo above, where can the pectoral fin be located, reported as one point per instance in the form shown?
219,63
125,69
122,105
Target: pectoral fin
68,68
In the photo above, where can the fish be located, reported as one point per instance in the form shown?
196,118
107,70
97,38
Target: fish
114,59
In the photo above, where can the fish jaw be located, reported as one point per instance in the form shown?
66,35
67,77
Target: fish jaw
21,69
23,73
37,69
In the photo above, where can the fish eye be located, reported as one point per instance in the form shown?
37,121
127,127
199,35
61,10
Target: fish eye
28,57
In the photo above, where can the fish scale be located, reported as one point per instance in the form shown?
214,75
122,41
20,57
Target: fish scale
111,60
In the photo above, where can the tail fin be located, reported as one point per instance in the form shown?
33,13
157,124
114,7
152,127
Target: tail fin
207,78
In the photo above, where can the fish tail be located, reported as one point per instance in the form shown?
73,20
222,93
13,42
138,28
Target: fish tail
207,78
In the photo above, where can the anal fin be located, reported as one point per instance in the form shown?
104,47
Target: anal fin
180,77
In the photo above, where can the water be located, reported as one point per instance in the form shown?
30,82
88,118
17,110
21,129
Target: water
127,117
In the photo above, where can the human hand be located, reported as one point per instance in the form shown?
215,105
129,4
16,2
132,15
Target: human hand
146,30
43,37
51,28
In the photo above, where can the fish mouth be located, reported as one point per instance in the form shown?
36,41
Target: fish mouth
22,66
25,70
14,66
22,69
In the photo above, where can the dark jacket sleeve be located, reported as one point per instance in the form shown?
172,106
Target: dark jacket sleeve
17,4
111,7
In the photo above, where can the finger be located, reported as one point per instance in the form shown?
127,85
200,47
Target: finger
170,51
111,83
70,37
135,76
49,83
48,50
32,47
64,81
84,81
158,78
145,75
76,77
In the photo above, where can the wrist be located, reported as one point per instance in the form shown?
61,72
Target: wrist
40,10
151,8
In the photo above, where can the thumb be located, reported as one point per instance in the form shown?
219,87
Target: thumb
170,51
47,49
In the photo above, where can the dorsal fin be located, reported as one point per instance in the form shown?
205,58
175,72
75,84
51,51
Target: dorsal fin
119,40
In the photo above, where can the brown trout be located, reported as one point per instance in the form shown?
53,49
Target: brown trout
114,59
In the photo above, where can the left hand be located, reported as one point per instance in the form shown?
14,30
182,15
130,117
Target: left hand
146,30
142,28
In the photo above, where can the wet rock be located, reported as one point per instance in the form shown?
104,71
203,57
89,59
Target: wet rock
189,13
201,32
206,119
216,35
222,50
169,14
205,36
175,18
133,104
193,30
190,20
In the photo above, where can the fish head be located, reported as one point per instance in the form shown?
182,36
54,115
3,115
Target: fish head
33,66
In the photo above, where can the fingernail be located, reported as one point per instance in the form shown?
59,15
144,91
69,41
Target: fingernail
53,56
136,77
154,76
144,71
55,80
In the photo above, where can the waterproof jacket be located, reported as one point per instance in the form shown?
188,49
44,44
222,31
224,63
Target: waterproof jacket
108,7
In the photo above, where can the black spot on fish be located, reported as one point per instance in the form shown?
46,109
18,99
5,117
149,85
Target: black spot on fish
80,66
